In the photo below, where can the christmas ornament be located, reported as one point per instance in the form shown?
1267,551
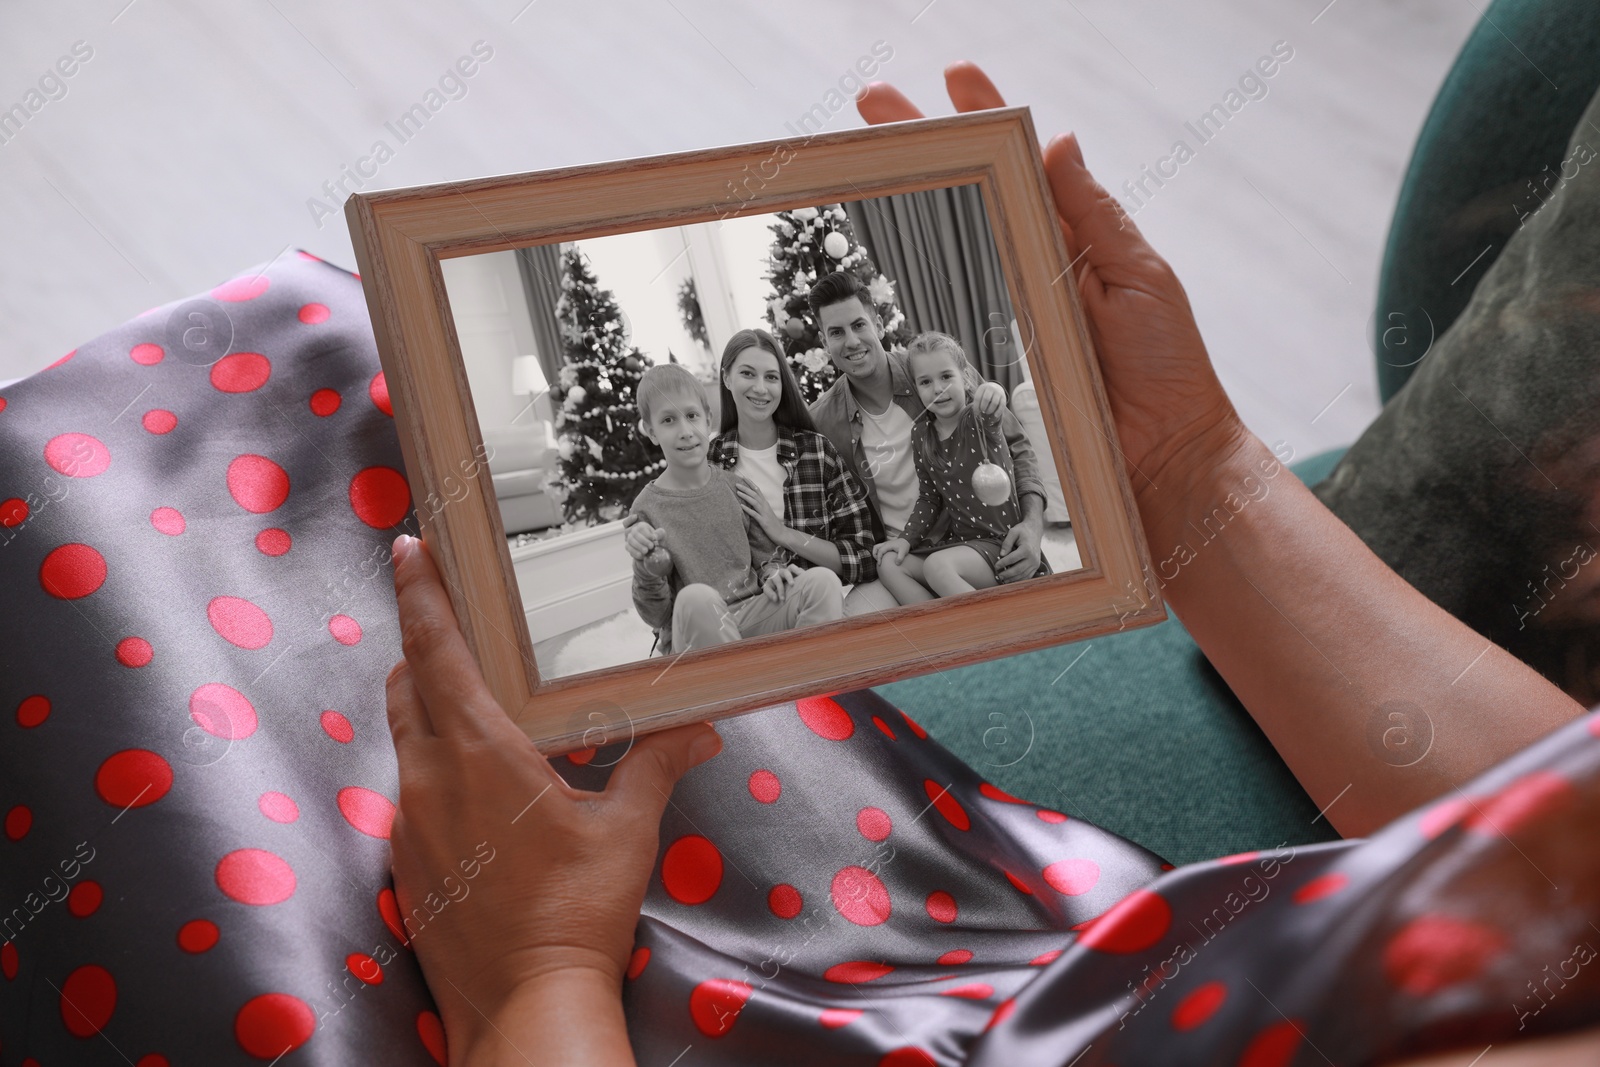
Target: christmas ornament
991,483
794,327
836,245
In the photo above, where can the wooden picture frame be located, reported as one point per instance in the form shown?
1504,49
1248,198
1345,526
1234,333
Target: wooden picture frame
402,235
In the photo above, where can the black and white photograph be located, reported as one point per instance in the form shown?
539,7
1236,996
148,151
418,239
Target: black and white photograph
704,433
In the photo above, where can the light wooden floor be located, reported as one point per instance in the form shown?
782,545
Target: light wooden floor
189,145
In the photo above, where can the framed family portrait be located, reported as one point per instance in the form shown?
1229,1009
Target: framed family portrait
694,434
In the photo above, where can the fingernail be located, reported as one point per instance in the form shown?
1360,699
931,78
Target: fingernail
402,547
705,746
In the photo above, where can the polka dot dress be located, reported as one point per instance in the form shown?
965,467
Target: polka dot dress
197,786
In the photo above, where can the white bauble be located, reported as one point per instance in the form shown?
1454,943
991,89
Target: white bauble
576,395
991,483
565,448
805,214
835,245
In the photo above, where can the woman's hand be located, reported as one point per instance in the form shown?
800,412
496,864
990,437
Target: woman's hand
755,505
891,551
560,872
1165,397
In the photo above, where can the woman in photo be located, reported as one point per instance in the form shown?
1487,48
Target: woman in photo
957,449
791,481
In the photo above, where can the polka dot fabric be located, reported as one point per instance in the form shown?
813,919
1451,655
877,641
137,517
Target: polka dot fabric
197,788
196,841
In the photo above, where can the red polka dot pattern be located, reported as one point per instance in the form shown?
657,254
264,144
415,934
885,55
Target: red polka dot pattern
72,571
169,521
378,392
222,711
380,497
1199,1006
338,727
860,896
241,372
83,900
88,999
159,421
638,961
239,622
1435,952
257,484
856,972
364,967
691,870
430,1031
1073,877
1275,1046
33,710
77,455
765,787
325,402
834,1018
941,906
370,812
198,935
255,876
241,289
1136,923
278,807
134,652
716,1003
272,1024
133,778
784,901
147,354
873,823
19,820
313,314
273,541
345,630
13,512
826,718
946,804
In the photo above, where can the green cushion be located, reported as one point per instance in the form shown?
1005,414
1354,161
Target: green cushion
1132,731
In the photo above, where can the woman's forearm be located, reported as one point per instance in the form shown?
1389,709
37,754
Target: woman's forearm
561,1017
818,550
1376,698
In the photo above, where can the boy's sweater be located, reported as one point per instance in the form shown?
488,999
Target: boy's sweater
711,540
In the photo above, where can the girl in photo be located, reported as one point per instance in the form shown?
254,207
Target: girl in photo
950,440
791,482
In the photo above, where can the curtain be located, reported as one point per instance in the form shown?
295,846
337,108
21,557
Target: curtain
540,267
937,249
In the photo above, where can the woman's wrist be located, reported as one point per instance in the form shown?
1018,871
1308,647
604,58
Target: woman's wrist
571,1015
1192,478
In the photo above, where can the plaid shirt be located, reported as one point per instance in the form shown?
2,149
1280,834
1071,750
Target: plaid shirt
820,497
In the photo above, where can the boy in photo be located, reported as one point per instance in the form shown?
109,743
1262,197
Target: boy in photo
703,573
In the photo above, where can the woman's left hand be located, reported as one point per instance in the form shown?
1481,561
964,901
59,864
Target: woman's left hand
508,877
756,506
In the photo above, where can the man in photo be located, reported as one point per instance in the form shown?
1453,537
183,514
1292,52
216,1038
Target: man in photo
867,415
703,573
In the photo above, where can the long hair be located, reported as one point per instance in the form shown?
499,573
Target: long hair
790,412
931,341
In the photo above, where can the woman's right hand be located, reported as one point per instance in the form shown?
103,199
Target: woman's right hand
1170,410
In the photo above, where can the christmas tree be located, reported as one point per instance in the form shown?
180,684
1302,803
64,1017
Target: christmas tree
604,459
810,243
